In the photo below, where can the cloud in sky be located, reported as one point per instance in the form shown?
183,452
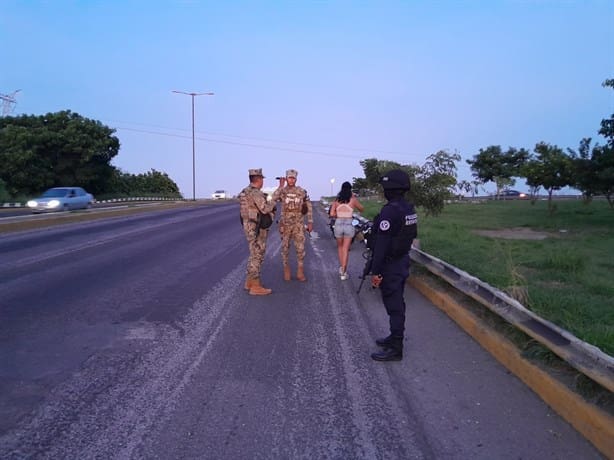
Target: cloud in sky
315,86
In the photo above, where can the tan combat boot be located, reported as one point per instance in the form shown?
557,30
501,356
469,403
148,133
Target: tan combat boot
248,283
300,274
257,289
287,276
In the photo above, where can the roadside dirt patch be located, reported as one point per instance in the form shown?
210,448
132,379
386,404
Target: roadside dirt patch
516,233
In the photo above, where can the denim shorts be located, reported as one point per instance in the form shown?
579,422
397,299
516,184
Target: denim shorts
344,228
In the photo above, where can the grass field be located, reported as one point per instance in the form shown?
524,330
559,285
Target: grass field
560,266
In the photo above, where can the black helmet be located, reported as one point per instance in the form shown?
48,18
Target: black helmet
395,180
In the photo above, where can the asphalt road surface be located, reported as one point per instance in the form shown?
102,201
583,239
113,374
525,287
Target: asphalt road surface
26,212
133,337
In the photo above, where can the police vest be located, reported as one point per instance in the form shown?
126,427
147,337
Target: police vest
408,230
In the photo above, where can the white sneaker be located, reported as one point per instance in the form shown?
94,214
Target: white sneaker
344,276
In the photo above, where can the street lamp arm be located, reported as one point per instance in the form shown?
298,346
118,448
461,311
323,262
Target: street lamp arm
192,94
193,137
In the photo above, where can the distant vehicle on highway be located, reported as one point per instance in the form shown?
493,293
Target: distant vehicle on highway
219,195
61,199
511,194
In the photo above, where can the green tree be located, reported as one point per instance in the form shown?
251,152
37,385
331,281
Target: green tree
554,168
4,195
607,124
374,169
371,172
603,156
23,171
147,184
361,186
476,184
156,182
434,181
585,169
463,187
63,148
593,167
532,172
493,165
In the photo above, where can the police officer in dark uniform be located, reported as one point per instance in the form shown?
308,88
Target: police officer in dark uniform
395,229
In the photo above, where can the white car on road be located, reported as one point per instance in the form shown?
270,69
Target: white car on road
219,195
61,199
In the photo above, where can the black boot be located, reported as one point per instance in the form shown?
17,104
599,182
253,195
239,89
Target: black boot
384,342
393,352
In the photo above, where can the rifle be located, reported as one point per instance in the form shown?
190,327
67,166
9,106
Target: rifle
368,255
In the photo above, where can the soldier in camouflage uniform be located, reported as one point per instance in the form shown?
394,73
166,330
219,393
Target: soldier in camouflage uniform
295,204
255,210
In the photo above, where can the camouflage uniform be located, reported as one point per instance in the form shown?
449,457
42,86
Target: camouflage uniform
253,205
292,223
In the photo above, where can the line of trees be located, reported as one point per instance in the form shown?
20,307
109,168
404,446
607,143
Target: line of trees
63,149
590,169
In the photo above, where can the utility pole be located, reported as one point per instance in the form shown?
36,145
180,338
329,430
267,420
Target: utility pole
193,139
8,102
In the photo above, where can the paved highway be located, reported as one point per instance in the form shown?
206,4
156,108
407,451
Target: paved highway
132,337
25,212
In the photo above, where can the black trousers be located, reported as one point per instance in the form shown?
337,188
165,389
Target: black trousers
395,275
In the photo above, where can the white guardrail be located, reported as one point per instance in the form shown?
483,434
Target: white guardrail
146,198
114,200
583,356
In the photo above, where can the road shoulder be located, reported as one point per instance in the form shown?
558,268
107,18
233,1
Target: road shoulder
593,422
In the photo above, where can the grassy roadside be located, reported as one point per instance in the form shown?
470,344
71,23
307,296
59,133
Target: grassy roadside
566,277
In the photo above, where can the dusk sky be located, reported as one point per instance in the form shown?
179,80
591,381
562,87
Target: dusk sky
314,86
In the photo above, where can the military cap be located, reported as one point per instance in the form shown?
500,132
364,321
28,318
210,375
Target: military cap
291,173
256,172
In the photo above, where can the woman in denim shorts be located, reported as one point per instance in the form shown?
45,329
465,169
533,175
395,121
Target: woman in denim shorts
342,210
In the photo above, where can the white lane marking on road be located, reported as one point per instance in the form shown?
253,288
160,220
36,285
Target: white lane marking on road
356,392
141,332
361,396
208,317
111,420
25,261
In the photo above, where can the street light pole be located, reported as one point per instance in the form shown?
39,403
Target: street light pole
193,139
332,181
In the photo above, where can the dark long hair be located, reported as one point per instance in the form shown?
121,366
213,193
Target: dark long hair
345,194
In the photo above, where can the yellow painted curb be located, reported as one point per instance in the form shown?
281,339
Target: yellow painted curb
593,423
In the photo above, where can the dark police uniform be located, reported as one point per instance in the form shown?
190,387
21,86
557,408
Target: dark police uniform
395,229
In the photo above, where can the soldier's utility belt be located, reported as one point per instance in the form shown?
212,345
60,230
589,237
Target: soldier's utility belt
302,211
263,221
292,217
